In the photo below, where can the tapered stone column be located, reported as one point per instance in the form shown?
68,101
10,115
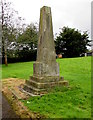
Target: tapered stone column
46,64
45,69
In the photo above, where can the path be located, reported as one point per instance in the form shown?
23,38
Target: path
7,111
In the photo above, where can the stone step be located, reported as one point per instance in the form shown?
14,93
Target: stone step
33,90
42,88
41,85
46,78
45,85
63,83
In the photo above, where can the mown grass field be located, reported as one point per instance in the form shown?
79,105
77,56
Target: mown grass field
73,102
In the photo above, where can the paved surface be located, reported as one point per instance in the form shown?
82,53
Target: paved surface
7,111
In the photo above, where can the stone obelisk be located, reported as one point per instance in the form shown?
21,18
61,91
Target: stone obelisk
45,69
46,64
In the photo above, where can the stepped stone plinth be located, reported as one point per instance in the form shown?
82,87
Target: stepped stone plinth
45,69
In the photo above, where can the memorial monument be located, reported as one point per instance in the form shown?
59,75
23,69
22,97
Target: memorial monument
45,69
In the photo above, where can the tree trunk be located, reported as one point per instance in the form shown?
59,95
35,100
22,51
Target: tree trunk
6,58
3,41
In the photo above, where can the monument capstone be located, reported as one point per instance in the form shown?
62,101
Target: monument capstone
45,69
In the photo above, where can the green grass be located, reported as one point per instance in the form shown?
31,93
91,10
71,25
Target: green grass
17,70
73,102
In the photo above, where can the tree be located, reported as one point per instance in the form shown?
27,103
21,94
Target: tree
25,46
9,26
71,42
29,36
0,43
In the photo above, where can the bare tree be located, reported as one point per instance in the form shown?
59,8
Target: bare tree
4,51
10,26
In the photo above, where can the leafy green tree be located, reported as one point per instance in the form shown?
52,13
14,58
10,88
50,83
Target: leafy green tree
29,36
71,42
25,46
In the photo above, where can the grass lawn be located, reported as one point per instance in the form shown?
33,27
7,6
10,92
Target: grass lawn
73,102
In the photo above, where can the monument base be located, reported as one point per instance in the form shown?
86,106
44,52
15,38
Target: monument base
41,85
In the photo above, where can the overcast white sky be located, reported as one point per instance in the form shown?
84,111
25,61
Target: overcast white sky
71,13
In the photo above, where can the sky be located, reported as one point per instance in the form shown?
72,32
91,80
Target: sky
71,13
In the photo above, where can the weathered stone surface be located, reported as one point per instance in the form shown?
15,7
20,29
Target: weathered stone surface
45,82
39,88
46,57
45,69
46,78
